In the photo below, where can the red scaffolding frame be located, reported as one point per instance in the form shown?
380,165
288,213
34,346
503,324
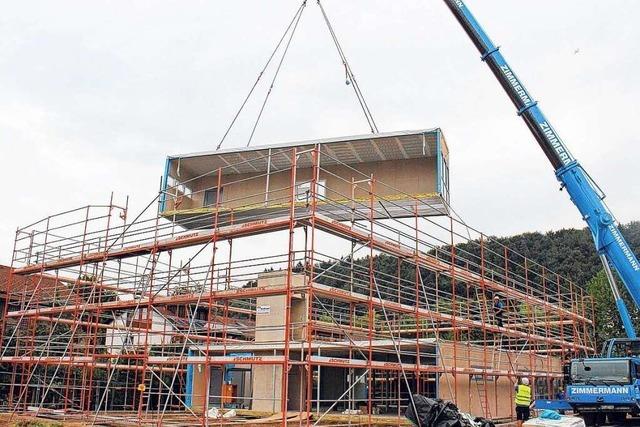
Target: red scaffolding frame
402,305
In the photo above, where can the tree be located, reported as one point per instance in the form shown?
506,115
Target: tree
607,325
607,320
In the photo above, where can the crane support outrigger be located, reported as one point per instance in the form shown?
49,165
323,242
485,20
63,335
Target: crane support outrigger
599,388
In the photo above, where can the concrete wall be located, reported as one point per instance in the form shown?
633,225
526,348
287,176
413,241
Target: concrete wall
267,388
267,380
270,310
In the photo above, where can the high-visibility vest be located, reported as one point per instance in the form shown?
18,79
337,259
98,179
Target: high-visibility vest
523,395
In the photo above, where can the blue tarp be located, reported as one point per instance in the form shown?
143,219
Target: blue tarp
549,414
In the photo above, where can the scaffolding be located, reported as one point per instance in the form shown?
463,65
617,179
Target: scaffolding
141,320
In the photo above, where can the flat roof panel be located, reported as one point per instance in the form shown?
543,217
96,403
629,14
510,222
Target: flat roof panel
348,149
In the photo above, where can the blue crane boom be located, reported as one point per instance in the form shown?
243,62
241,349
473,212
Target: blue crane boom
610,243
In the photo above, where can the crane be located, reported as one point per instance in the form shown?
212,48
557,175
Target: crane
599,387
611,245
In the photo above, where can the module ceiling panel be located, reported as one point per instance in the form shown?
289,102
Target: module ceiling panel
349,150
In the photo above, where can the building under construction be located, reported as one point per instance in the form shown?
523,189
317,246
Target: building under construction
322,281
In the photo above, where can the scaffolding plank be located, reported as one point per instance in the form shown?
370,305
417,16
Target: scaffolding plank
175,242
433,264
345,295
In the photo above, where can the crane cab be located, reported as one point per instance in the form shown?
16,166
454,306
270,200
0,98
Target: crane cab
621,347
604,388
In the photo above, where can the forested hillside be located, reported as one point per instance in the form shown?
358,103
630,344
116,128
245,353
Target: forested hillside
569,252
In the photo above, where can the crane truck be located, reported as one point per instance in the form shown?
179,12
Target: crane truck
598,387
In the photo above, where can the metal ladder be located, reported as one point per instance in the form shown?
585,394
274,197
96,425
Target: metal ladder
481,383
481,387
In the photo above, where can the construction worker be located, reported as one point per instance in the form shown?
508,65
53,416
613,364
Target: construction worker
523,401
498,310
566,368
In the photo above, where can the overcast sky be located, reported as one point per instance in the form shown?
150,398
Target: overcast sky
94,95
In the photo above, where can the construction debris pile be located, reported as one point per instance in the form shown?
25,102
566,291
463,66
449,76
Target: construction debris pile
438,413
